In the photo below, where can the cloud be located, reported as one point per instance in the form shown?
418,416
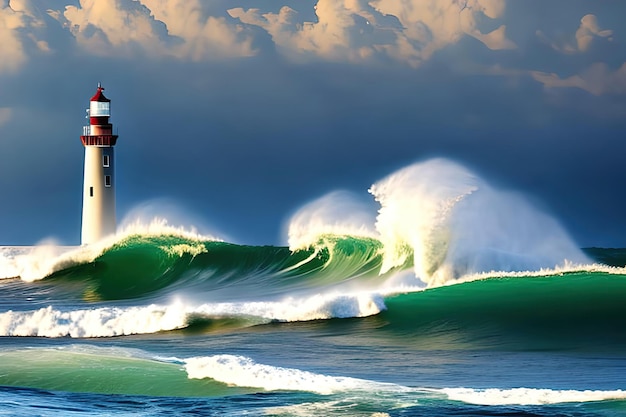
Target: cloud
174,28
598,79
107,27
582,39
495,39
333,36
588,30
429,26
11,54
20,27
203,36
357,30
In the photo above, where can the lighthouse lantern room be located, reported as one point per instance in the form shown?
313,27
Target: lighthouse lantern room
98,219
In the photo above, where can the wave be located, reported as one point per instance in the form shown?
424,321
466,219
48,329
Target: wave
140,265
90,369
529,396
135,372
124,321
101,322
242,371
576,310
436,218
562,311
453,223
32,263
439,224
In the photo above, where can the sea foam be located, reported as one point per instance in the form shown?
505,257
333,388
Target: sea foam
291,309
98,322
244,372
529,396
121,321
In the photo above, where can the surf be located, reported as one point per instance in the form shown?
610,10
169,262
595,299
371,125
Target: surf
438,224
436,217
136,372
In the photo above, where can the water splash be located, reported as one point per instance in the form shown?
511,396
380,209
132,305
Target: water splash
453,223
164,215
339,213
416,206
32,263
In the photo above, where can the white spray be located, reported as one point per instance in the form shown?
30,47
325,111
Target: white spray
31,263
338,213
455,224
445,221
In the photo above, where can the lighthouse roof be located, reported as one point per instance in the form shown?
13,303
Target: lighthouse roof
99,96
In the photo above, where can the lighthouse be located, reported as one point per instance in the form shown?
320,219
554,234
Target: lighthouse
99,172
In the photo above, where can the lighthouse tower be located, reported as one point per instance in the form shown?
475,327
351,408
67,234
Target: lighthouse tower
99,174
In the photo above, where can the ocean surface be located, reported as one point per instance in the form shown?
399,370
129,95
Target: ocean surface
449,298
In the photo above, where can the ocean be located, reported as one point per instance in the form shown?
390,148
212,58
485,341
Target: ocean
451,298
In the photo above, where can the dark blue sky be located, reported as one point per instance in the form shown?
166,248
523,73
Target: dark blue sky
233,115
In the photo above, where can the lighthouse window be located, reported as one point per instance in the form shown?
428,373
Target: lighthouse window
105,161
90,191
99,108
107,180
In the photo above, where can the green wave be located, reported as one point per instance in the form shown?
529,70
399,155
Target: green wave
575,310
140,265
96,371
143,265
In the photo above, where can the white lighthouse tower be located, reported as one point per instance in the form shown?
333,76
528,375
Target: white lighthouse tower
99,174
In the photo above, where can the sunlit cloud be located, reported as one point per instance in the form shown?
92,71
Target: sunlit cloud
582,39
598,79
402,32
337,34
589,30
201,36
357,30
12,54
105,27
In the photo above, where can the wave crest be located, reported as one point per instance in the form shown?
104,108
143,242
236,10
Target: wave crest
123,321
244,372
100,322
455,224
529,396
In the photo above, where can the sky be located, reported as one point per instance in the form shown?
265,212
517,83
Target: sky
233,114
